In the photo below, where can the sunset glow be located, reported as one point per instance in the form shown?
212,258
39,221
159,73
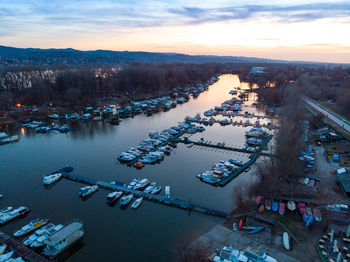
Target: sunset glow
303,30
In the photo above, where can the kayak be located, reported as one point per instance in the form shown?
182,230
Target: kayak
308,220
256,230
281,208
317,214
286,241
274,206
240,225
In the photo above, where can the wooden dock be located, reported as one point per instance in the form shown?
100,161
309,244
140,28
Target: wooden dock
20,249
173,202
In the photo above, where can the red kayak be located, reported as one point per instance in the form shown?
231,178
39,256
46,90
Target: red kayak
240,225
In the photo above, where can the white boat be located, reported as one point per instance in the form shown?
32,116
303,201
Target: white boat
156,189
7,256
113,196
1,196
291,205
49,179
230,254
142,184
9,139
133,183
38,233
39,242
126,199
339,208
87,190
137,203
5,211
63,239
286,241
150,188
254,141
14,214
33,225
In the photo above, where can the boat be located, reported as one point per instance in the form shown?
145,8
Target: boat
7,256
286,241
338,208
268,204
137,203
240,224
281,208
291,205
5,211
156,189
133,183
2,248
258,200
302,208
39,242
38,233
87,190
139,165
308,220
126,199
230,254
33,225
10,139
21,211
274,206
254,141
142,184
63,239
261,208
113,196
256,230
52,178
317,214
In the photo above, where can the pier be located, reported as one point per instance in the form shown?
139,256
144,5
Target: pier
247,164
20,249
173,202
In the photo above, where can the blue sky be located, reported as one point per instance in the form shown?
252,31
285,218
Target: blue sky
294,30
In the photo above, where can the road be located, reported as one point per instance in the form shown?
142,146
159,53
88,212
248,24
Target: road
330,115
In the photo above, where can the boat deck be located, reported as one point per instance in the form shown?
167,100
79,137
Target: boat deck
20,249
173,202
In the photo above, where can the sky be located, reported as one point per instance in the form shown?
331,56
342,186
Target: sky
305,30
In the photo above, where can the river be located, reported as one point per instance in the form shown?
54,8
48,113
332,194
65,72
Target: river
150,233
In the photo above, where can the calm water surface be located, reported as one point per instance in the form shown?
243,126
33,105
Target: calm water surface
149,233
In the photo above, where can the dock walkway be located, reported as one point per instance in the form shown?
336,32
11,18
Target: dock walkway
20,249
173,202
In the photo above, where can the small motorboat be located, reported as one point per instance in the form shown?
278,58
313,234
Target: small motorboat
255,230
268,204
317,214
291,205
33,225
126,199
139,165
49,179
156,189
113,196
137,203
32,238
281,208
274,206
286,241
87,190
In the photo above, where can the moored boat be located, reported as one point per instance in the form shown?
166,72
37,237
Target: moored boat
7,256
291,205
317,214
113,196
302,208
52,178
2,248
87,190
137,203
268,204
274,206
33,225
156,189
21,211
281,209
39,242
38,233
126,199
63,239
